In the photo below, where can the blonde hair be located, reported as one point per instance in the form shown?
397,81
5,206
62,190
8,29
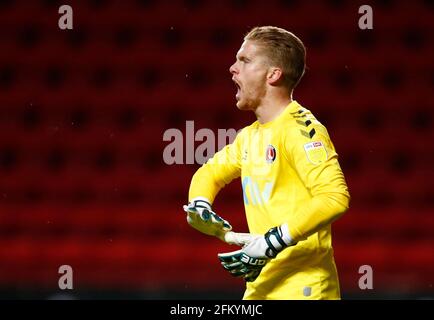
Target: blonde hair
284,50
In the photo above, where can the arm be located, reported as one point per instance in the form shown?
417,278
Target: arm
315,161
208,180
217,172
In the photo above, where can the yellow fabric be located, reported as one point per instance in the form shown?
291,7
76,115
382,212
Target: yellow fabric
290,174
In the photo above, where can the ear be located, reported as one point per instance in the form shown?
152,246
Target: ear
274,76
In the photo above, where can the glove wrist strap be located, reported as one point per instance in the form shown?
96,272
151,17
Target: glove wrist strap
201,202
277,239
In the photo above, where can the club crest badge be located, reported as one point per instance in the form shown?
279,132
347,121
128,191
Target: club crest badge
270,154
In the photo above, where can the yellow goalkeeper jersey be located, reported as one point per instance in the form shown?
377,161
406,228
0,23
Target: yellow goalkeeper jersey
289,174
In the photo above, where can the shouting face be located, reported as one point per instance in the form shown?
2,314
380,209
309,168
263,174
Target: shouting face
249,73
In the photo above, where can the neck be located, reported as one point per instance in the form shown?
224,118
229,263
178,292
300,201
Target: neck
270,109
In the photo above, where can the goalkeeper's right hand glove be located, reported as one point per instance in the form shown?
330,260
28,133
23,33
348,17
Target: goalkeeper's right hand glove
201,217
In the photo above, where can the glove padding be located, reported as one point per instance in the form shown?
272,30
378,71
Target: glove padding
202,218
240,239
239,264
249,261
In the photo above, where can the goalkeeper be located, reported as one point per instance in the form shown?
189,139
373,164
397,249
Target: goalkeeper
293,186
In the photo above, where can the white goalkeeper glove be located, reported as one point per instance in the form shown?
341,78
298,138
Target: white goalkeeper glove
201,217
249,261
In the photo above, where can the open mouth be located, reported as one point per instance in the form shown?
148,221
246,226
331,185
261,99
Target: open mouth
237,96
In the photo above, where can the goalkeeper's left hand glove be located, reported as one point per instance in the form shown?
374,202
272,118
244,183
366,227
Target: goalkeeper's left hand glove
249,261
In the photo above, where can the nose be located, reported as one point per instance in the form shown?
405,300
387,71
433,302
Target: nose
233,69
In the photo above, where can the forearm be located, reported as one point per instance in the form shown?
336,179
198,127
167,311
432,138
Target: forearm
203,184
319,212
203,189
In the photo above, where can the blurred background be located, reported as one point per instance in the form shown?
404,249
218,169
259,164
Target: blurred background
82,117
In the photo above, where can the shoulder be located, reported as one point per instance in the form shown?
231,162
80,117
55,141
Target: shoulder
305,136
302,125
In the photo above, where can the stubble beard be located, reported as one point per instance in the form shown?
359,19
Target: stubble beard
251,102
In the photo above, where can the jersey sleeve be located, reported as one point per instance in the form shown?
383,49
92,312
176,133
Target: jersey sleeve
313,156
217,172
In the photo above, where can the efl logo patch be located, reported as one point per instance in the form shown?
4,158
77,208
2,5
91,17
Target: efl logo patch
316,152
270,154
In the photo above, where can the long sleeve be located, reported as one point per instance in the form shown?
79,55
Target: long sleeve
315,161
217,172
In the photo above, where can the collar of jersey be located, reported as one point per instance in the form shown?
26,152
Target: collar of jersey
293,106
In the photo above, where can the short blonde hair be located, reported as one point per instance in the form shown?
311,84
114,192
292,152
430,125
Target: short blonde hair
284,50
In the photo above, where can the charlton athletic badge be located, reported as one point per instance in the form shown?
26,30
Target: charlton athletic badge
270,154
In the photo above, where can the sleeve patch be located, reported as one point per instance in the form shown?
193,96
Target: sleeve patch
316,152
